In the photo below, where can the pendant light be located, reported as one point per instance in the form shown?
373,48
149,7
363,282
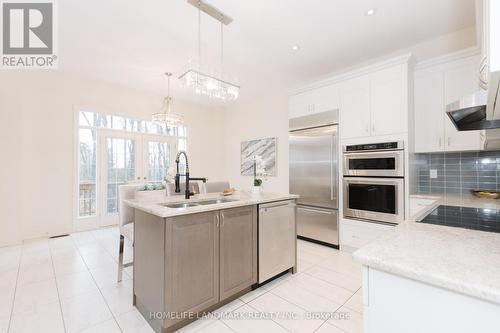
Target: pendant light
166,116
202,83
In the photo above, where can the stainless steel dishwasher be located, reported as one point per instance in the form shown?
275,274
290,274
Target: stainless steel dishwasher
277,238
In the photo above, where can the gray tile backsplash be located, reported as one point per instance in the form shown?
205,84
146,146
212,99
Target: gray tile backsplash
458,173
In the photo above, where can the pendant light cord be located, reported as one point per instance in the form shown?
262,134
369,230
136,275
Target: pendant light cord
221,47
168,99
199,36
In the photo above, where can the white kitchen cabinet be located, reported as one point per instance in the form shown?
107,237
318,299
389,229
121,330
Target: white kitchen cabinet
318,100
429,113
460,82
490,41
375,104
355,108
387,295
300,104
389,101
355,234
326,98
493,13
435,87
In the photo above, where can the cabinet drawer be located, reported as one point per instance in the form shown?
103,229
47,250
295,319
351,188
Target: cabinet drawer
357,234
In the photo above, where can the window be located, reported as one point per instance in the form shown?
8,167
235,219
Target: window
113,150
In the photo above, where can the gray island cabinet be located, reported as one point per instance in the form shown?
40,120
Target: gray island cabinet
188,264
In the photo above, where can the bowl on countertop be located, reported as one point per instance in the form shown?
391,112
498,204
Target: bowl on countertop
486,194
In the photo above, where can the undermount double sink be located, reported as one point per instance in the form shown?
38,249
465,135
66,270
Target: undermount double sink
196,203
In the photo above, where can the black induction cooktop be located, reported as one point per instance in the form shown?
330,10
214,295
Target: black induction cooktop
465,217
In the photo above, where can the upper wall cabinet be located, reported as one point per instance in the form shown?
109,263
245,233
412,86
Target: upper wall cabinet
435,87
389,100
355,108
429,112
375,104
491,34
314,101
494,34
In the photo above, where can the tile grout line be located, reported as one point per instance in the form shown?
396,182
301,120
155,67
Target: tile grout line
57,286
286,329
305,271
348,290
15,288
343,305
98,288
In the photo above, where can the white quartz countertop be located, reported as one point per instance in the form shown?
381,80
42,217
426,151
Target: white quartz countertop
462,260
239,199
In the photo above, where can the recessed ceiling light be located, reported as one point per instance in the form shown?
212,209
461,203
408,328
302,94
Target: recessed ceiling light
370,11
295,48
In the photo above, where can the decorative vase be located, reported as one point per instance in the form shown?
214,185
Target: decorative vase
255,190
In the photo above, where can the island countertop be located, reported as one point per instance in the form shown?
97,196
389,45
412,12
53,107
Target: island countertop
462,260
238,199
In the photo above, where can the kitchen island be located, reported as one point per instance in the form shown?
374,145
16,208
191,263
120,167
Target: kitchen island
433,278
193,256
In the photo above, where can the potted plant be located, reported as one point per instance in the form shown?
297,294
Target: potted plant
259,174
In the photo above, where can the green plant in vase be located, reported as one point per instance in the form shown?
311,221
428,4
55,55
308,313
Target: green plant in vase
259,174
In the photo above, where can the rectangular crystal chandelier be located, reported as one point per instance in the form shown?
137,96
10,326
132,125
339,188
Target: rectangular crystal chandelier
210,86
200,82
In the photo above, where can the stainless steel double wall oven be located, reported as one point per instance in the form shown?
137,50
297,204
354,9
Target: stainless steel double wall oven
374,181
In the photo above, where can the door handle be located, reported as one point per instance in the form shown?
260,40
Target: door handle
333,176
331,169
217,220
449,141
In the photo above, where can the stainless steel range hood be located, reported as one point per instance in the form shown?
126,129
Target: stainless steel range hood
469,113
479,111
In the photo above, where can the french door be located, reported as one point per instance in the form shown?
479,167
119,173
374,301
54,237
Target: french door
120,163
126,158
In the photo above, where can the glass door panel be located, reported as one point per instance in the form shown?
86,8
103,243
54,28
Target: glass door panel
159,156
120,161
87,178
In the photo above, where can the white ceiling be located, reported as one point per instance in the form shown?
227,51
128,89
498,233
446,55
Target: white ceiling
133,42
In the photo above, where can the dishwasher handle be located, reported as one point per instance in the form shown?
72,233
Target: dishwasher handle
320,211
289,203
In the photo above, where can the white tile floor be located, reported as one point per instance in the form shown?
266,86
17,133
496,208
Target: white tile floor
69,285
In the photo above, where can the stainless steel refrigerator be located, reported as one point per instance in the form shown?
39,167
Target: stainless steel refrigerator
314,176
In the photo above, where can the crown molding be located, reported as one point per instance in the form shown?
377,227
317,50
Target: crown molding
363,70
454,56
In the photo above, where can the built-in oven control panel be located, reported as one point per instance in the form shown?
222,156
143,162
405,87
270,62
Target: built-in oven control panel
395,145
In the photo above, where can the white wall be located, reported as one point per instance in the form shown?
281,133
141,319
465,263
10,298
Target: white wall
265,117
37,144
